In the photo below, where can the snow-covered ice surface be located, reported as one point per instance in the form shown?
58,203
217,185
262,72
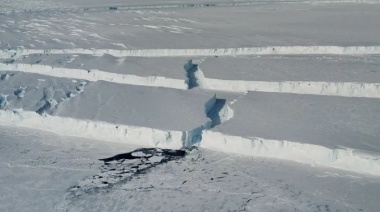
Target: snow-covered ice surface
108,102
277,81
42,171
107,111
349,76
330,131
158,108
144,67
328,121
324,68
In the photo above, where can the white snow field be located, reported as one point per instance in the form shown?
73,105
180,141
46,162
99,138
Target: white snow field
189,105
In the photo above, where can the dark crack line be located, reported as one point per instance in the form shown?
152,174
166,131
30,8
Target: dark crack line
213,114
191,70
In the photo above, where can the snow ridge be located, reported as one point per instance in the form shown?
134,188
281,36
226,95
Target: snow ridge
347,89
267,50
341,158
96,75
196,78
92,129
107,131
346,159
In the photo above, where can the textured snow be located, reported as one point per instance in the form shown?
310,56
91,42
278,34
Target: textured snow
34,92
268,25
86,5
